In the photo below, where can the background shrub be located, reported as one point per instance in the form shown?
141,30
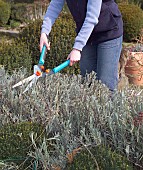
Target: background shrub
133,21
136,2
5,11
14,55
19,12
61,38
19,1
25,1
15,139
24,12
15,142
24,51
101,157
14,24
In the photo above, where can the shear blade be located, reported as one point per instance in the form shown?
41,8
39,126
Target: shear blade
26,80
31,84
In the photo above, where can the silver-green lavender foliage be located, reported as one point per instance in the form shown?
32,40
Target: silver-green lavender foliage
4,166
75,115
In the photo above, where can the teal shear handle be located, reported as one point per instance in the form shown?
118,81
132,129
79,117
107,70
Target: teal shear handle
42,55
61,66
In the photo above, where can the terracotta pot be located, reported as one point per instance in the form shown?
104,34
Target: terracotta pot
134,68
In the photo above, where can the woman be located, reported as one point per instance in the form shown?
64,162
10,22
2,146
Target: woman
98,42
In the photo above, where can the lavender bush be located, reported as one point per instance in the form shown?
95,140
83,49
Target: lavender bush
75,115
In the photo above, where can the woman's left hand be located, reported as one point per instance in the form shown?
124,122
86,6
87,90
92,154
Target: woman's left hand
74,56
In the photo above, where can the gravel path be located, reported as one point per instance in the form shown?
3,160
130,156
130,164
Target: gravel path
12,33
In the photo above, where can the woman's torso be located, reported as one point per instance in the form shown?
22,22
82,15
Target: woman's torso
110,24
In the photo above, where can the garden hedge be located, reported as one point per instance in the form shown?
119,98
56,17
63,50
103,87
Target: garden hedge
5,11
26,48
133,21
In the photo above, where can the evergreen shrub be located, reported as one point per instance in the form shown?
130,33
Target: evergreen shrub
5,11
15,143
25,1
14,55
133,21
27,45
25,12
19,12
15,139
19,1
101,157
14,24
61,38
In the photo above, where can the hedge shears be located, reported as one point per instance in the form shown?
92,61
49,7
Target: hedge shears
40,71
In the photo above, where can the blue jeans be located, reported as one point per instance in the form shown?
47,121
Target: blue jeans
103,59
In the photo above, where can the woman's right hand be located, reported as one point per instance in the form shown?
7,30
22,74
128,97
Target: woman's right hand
44,41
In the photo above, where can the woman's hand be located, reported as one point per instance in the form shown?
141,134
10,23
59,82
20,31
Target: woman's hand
74,56
44,41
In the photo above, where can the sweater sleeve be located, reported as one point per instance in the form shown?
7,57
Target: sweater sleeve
51,15
91,19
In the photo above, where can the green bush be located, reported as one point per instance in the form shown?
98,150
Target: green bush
99,157
31,36
25,12
25,1
136,2
19,1
14,24
120,1
19,12
61,38
14,55
20,51
15,139
133,21
5,11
